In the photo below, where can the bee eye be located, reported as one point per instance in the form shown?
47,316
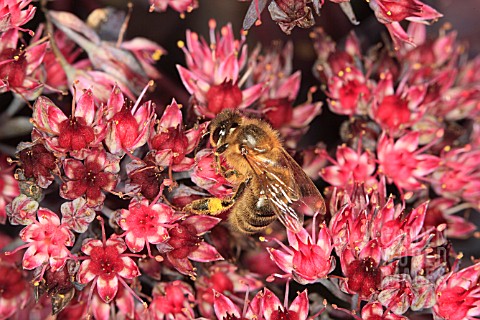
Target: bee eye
217,134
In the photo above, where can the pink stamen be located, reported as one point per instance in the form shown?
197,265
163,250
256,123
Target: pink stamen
130,290
140,97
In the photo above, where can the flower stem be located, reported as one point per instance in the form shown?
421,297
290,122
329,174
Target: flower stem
16,104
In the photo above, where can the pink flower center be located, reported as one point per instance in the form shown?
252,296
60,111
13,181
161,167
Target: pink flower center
37,161
15,71
223,96
58,281
363,276
75,134
278,111
393,111
105,262
350,92
173,139
284,315
149,179
142,221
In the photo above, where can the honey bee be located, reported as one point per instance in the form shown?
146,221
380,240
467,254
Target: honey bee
269,184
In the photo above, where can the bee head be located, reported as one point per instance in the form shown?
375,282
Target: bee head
223,125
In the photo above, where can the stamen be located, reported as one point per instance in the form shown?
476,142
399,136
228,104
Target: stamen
104,237
140,97
130,290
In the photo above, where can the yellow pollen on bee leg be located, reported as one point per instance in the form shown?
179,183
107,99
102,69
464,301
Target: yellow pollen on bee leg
215,205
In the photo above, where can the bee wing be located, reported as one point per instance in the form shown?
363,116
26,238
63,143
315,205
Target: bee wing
292,196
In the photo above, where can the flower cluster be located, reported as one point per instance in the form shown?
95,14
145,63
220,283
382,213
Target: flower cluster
94,200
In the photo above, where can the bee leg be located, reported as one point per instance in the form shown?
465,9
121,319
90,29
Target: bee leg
215,206
228,173
210,206
217,153
221,169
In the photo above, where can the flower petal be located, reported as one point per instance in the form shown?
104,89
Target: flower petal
84,274
107,288
205,253
130,269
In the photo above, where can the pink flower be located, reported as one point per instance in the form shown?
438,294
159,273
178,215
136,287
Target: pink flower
8,186
83,130
274,68
177,5
120,65
374,311
171,142
399,234
350,167
391,13
349,92
225,308
47,242
145,223
37,163
458,295
399,292
106,265
370,237
397,110
56,78
308,259
145,177
147,53
273,309
206,176
172,300
128,126
186,244
224,278
13,14
213,72
441,212
19,65
77,215
458,175
22,210
96,174
362,270
123,306
403,162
